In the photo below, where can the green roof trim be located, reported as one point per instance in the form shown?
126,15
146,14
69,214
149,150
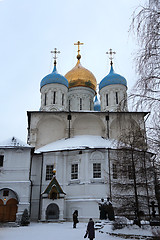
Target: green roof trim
53,183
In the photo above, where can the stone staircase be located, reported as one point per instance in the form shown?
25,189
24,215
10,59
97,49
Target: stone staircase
9,224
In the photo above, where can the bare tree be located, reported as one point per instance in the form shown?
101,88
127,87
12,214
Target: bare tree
146,92
146,25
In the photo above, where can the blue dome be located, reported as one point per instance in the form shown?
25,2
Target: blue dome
112,78
97,106
54,77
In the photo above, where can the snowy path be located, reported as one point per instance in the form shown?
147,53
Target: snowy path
50,231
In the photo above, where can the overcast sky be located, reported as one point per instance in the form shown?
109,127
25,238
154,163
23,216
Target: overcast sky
30,29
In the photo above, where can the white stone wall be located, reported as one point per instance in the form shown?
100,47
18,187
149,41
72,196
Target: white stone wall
48,127
14,175
83,191
83,194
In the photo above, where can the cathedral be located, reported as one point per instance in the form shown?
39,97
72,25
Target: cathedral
83,145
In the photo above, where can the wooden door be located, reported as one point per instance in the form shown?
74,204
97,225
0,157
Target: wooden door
11,210
1,210
8,211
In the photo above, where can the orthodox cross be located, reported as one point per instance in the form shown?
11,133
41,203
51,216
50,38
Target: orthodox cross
55,52
78,43
111,55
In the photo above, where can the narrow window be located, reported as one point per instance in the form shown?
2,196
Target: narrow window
5,193
49,172
96,170
80,103
45,99
62,99
107,99
90,104
74,171
116,97
130,172
1,160
54,97
114,168
69,105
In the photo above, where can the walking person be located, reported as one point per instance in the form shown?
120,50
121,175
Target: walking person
75,218
90,230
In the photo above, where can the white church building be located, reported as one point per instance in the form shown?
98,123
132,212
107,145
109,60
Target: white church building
79,150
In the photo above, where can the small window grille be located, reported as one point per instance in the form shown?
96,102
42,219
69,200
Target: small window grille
130,172
49,172
96,170
80,103
5,193
114,168
74,171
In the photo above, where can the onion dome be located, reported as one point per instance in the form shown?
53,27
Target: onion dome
54,77
112,78
81,77
97,106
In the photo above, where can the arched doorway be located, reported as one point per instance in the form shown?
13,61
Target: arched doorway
8,211
52,212
11,210
8,205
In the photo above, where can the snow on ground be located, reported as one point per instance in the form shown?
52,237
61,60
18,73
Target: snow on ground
60,231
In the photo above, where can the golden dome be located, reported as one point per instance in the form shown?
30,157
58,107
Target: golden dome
81,77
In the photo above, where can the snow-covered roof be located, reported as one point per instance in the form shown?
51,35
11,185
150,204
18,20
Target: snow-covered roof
13,142
78,142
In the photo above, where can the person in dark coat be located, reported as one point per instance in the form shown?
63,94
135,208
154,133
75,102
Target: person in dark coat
102,209
75,218
90,229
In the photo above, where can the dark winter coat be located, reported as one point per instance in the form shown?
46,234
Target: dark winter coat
90,229
75,218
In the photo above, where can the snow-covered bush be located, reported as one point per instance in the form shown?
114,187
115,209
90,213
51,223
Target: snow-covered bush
25,218
156,231
119,223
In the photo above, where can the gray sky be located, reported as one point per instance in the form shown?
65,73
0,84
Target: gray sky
30,29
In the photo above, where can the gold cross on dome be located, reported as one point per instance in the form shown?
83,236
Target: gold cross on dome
55,53
111,54
78,43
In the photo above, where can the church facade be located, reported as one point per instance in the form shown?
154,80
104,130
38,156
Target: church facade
85,150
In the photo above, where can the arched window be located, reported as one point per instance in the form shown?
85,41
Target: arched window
45,99
52,211
90,104
54,97
62,99
107,99
80,103
69,105
116,97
